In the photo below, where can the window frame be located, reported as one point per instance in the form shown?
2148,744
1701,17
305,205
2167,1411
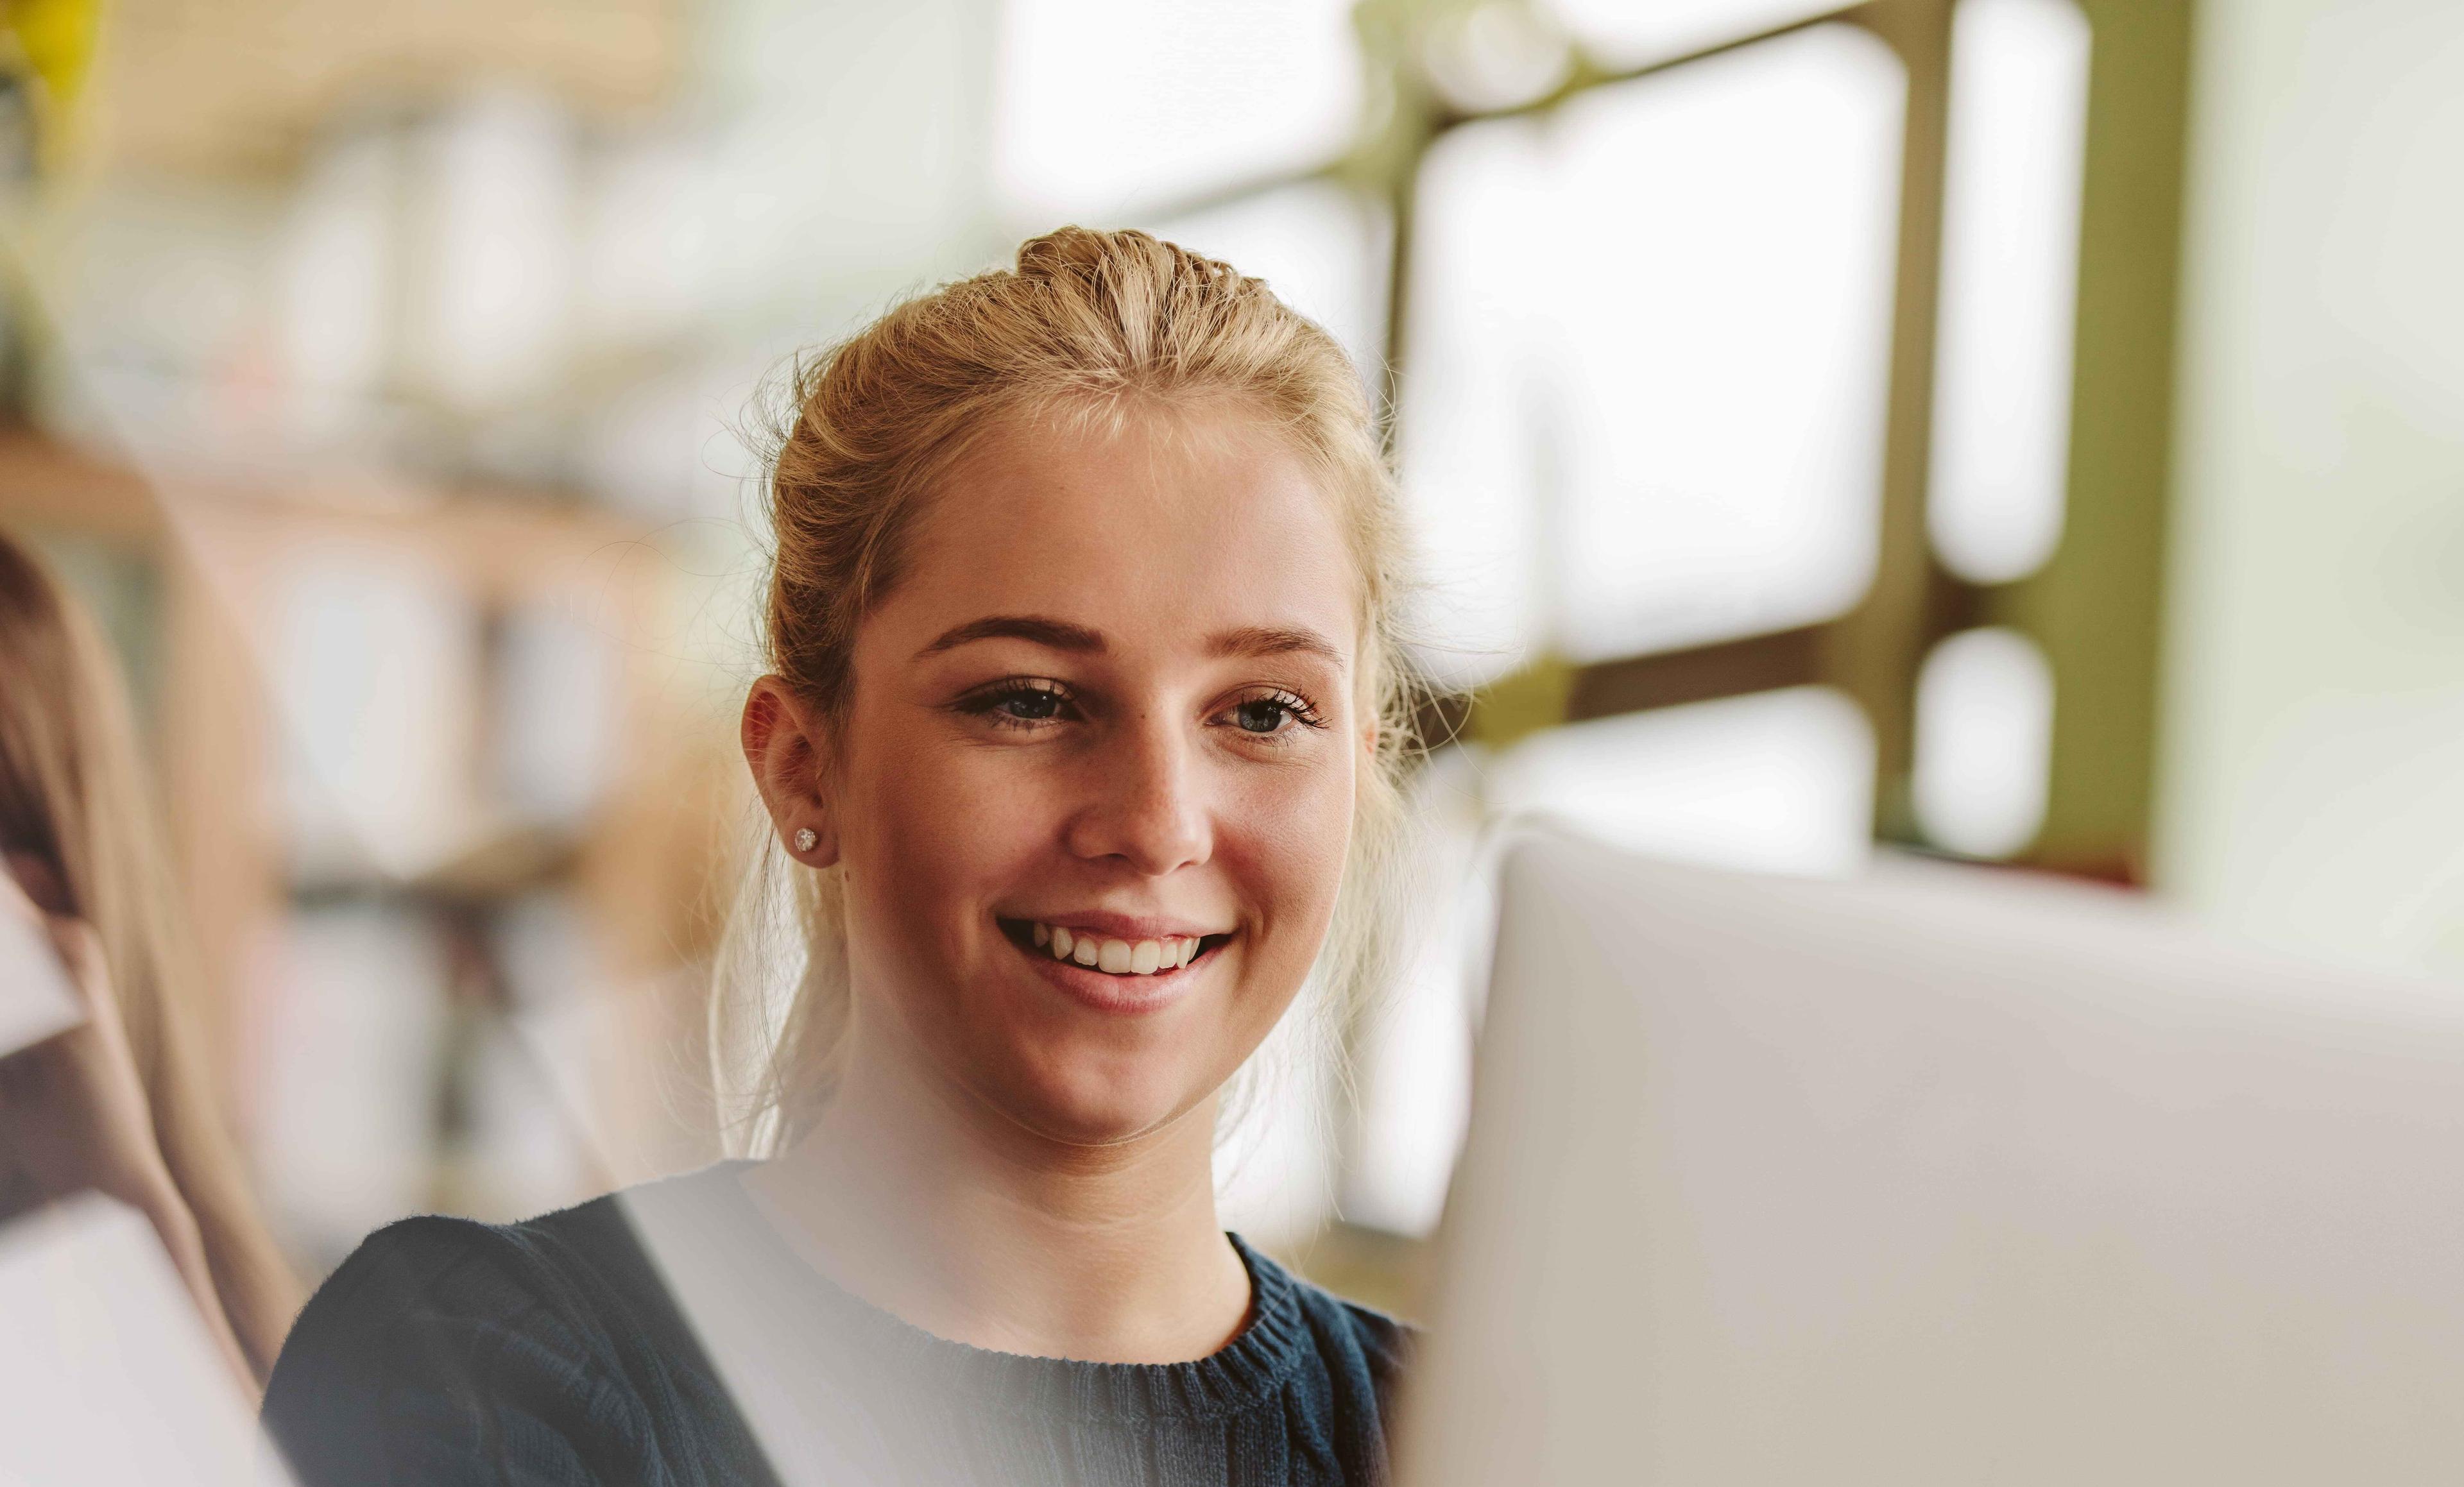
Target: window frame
2094,606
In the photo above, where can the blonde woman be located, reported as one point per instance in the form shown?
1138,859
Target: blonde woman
121,1104
1078,751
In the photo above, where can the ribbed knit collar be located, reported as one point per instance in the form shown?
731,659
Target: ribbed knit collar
1249,1370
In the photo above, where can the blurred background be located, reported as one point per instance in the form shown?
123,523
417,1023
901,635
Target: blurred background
2028,431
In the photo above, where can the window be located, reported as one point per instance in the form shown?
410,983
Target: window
1649,411
2009,282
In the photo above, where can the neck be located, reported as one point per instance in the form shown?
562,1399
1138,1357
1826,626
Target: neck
921,1199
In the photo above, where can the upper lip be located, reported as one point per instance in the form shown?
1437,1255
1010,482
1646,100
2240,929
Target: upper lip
1123,927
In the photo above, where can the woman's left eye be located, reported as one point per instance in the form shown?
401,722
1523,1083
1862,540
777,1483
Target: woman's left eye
1261,715
1266,714
1029,705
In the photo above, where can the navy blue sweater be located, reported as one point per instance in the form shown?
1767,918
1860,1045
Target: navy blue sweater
666,1336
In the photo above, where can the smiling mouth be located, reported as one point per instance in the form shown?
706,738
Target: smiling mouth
1107,956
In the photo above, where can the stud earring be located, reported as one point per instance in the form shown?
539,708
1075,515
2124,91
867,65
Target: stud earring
805,837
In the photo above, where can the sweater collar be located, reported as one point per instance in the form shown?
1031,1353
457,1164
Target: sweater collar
1247,1370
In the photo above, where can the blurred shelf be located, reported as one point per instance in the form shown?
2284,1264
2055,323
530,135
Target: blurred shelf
506,864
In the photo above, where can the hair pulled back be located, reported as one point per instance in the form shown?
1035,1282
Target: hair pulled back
1089,330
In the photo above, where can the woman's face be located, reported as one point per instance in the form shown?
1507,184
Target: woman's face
1093,787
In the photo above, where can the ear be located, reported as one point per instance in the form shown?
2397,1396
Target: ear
786,749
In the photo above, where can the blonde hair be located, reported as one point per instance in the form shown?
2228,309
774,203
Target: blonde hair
1089,328
72,793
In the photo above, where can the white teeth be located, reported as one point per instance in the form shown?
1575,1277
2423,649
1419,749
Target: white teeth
1119,957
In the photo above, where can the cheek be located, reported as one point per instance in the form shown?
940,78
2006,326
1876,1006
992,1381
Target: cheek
942,821
1291,837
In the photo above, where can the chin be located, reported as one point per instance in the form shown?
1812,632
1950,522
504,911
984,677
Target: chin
1090,1059
1095,1101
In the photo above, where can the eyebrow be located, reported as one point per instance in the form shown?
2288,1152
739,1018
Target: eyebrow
1250,640
1265,640
1053,634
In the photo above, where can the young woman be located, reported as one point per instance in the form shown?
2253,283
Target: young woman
120,1103
1080,739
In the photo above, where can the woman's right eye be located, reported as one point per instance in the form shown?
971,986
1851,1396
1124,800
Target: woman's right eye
1021,703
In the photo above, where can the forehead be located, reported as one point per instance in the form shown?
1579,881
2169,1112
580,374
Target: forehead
1171,527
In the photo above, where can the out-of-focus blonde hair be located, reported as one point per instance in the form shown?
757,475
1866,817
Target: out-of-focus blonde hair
1089,329
72,793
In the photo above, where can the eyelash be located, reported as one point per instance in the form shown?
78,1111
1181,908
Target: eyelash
988,703
1294,706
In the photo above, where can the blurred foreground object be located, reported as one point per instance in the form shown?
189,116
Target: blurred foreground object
124,1104
36,1001
1938,1176
106,1379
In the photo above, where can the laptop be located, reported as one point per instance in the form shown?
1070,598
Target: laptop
1940,1176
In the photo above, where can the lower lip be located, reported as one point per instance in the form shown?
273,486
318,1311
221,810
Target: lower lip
1119,996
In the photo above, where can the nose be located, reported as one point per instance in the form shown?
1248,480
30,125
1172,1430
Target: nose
1147,808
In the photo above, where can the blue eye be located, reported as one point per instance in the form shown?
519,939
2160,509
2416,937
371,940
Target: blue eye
1265,716
1020,703
1261,714
1033,706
